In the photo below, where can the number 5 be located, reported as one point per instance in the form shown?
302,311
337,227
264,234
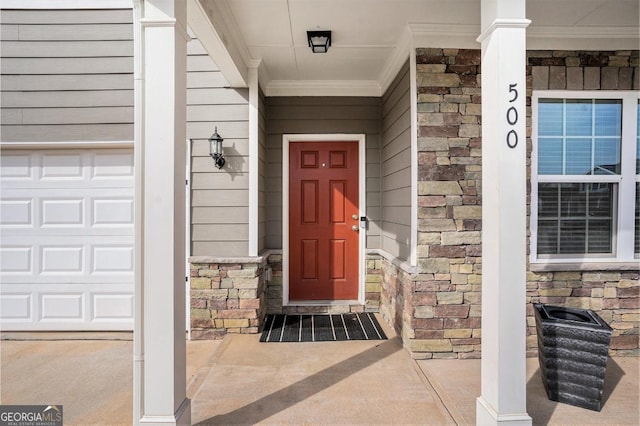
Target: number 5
512,88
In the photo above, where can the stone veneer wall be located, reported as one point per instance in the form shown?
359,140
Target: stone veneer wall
233,295
614,295
274,290
445,305
396,298
442,308
227,296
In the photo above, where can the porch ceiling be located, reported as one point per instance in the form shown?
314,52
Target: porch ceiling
370,39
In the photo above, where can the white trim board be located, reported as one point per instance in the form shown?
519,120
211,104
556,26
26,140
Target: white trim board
187,237
65,145
67,4
362,192
323,88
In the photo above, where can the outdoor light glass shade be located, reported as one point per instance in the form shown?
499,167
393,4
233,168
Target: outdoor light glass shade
319,41
215,149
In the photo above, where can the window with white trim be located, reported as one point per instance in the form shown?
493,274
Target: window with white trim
585,176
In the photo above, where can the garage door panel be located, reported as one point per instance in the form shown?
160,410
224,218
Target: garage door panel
87,211
16,260
112,260
56,260
60,306
16,307
16,166
67,307
16,212
97,259
67,168
112,165
67,254
112,307
62,212
113,212
61,166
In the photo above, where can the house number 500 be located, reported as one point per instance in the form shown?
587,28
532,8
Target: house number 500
512,118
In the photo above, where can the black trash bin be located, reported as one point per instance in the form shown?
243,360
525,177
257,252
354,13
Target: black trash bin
573,348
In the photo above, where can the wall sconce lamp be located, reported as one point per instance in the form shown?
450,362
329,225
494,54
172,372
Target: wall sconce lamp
319,41
215,149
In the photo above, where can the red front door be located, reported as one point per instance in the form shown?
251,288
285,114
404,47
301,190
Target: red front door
323,211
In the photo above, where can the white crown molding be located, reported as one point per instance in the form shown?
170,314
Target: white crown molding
67,4
462,36
323,88
582,38
538,37
419,29
538,31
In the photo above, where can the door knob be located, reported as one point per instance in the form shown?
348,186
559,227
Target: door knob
355,228
354,216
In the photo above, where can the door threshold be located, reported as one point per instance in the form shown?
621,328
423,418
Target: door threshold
322,302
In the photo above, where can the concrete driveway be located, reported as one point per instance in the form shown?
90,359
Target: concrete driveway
241,381
90,374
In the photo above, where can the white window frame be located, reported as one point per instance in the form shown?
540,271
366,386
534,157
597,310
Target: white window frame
624,210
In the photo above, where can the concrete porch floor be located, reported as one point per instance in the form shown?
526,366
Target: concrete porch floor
241,381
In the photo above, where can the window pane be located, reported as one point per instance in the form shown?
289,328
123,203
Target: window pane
548,201
579,115
638,147
573,199
572,236
550,156
599,236
578,157
547,237
606,156
550,117
587,142
600,200
575,218
637,243
608,116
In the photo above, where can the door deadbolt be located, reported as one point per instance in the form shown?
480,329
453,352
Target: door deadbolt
354,216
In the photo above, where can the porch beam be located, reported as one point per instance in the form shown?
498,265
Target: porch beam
160,150
503,32
210,26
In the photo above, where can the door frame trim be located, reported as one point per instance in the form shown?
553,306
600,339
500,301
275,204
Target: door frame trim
362,191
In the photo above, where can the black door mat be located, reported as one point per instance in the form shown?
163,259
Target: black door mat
321,328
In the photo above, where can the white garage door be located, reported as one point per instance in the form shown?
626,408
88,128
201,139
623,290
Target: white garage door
67,239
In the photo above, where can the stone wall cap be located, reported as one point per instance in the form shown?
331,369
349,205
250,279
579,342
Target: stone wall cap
588,266
215,259
400,263
264,255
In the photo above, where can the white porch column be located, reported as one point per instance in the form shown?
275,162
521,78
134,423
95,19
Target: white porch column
254,154
160,347
503,400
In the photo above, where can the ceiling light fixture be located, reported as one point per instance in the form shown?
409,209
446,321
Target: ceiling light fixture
319,41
